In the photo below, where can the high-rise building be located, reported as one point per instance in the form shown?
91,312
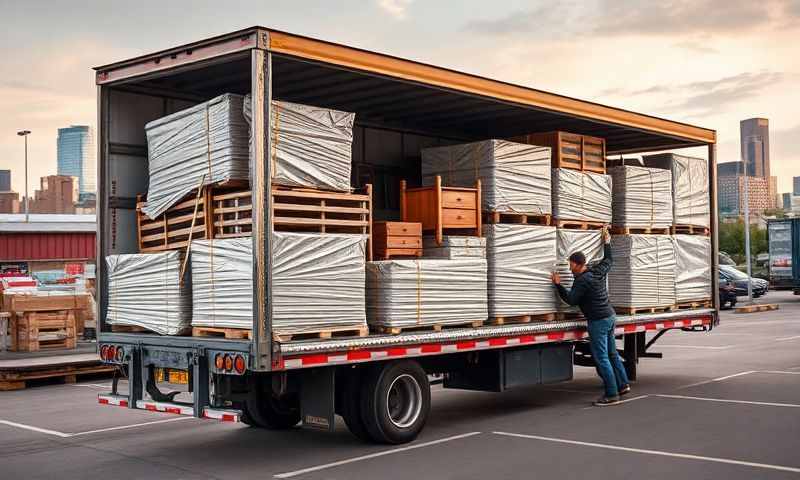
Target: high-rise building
754,134
9,202
761,194
58,194
786,201
76,156
5,180
795,185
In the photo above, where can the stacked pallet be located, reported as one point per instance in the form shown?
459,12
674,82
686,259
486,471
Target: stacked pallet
581,199
691,201
39,321
569,241
641,200
454,247
570,150
692,271
642,276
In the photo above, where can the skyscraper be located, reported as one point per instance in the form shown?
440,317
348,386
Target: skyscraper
754,134
5,180
76,156
795,185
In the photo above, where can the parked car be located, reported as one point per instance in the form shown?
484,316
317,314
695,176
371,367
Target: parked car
727,293
740,279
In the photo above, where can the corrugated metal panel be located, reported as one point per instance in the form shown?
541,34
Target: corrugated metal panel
47,246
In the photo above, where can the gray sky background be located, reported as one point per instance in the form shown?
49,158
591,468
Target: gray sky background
710,63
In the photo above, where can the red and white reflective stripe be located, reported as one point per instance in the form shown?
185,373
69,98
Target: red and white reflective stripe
222,415
366,355
166,407
112,400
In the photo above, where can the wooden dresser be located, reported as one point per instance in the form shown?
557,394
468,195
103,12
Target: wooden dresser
397,239
439,208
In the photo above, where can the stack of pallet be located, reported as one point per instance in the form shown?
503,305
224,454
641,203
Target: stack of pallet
642,276
41,321
641,200
569,241
691,201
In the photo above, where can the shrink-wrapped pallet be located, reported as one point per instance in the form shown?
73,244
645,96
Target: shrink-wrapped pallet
413,293
145,290
521,259
515,178
454,246
310,146
209,138
689,187
222,283
641,197
692,268
581,196
568,241
643,271
317,282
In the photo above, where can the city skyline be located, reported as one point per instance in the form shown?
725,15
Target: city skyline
76,156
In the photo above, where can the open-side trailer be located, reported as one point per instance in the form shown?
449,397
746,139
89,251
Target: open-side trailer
379,384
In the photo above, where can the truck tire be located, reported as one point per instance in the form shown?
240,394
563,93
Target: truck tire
395,401
266,411
351,406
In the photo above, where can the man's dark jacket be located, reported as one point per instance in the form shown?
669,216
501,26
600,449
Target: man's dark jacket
589,290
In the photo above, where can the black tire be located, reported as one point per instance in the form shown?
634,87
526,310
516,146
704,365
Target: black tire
351,406
405,386
265,411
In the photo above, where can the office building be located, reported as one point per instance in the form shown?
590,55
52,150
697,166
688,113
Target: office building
761,196
76,156
754,133
5,180
786,200
795,185
58,194
9,202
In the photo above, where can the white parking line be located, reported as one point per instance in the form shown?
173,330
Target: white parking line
699,347
720,379
621,401
779,372
724,400
35,429
56,433
783,339
654,452
373,455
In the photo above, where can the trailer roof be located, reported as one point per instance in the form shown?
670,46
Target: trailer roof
393,90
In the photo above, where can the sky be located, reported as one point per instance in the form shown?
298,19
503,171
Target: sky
708,63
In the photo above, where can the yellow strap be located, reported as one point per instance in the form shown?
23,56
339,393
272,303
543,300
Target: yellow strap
419,292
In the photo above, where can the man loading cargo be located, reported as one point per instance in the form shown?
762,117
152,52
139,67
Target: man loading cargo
589,292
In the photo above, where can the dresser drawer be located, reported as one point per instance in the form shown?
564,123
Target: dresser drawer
410,229
458,199
456,217
402,242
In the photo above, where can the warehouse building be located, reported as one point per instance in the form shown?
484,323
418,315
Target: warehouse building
47,242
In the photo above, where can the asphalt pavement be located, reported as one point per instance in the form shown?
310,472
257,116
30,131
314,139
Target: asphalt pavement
724,404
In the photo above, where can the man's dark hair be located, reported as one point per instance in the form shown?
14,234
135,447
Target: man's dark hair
578,257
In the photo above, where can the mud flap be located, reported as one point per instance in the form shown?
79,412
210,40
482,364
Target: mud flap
317,393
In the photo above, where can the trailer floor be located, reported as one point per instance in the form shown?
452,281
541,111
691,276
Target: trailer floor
720,405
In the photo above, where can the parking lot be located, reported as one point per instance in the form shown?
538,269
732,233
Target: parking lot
724,404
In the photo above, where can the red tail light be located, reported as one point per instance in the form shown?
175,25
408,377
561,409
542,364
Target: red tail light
112,352
120,354
219,362
104,352
239,364
228,362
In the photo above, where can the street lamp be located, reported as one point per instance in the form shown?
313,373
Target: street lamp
24,134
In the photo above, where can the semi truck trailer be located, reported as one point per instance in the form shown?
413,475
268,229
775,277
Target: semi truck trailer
380,383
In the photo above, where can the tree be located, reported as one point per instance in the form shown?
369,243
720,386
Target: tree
731,240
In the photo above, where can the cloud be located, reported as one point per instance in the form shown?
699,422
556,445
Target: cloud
395,8
696,47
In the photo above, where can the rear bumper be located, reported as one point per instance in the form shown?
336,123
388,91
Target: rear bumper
223,415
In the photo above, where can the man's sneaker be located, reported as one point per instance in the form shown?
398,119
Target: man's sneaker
625,390
606,401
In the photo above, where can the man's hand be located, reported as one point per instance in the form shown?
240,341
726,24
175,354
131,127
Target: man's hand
606,235
556,278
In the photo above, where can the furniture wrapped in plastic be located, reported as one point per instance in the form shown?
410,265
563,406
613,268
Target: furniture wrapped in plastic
641,197
515,178
210,138
311,146
222,283
317,282
643,271
521,259
581,196
689,187
414,293
569,241
692,268
454,246
145,290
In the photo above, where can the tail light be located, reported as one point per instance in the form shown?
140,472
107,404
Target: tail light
104,352
219,362
238,364
228,362
112,352
120,354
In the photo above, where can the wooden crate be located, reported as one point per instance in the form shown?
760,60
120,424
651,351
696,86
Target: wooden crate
34,331
32,302
397,239
171,229
231,213
438,208
570,150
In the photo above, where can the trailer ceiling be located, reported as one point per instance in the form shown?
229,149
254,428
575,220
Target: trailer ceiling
406,95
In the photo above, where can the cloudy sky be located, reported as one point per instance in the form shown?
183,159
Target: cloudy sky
710,63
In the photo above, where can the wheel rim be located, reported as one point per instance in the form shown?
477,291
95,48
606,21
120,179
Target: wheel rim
404,401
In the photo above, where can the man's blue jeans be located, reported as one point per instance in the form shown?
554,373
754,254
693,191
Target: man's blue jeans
604,350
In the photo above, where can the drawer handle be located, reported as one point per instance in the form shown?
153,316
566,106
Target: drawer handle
459,217
458,199
405,230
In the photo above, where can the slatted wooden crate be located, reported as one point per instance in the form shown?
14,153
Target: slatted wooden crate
171,229
36,331
570,150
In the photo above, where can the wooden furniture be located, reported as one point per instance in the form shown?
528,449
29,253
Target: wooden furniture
441,208
36,331
397,239
570,150
4,316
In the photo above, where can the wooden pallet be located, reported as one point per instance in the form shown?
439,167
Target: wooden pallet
523,218
637,230
426,328
322,334
570,150
693,305
129,329
638,310
229,333
231,213
565,316
690,230
578,224
171,229
541,317
756,308
34,331
21,374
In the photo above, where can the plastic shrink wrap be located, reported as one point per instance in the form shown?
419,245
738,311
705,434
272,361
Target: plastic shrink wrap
590,242
641,197
581,196
521,259
222,283
409,293
311,146
515,178
689,187
643,271
318,282
692,268
454,246
210,138
144,290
